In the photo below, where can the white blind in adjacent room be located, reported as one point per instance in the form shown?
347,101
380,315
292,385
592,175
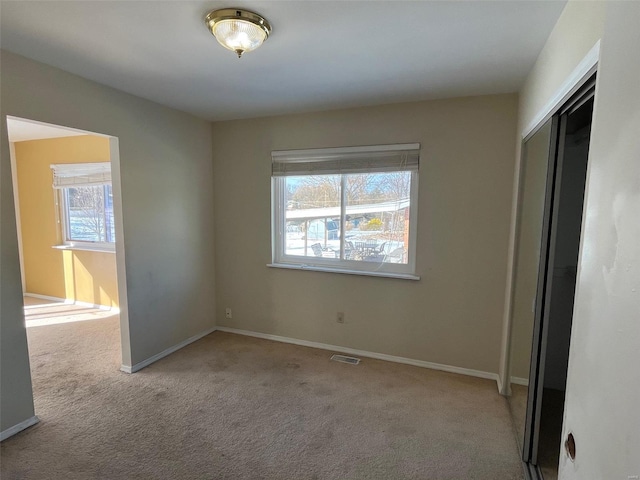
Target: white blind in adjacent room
67,175
330,161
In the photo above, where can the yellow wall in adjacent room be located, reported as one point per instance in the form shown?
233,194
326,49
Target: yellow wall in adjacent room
72,274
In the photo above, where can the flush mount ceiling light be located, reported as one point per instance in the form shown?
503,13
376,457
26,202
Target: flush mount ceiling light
238,30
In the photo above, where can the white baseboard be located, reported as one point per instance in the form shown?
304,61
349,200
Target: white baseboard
363,353
9,432
520,381
68,301
99,307
46,297
164,353
499,382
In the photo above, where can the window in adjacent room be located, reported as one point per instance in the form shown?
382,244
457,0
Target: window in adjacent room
350,210
85,202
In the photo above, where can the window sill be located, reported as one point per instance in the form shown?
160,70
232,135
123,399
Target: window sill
84,248
289,266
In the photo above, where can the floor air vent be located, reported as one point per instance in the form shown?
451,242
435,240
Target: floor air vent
345,359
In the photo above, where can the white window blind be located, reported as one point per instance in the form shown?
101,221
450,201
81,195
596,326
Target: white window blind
329,161
67,175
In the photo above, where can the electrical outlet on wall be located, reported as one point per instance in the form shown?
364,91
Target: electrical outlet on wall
340,317
227,313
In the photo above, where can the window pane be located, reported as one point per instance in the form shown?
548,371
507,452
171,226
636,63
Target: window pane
377,217
312,216
86,214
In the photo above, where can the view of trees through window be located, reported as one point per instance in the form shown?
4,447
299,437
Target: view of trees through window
375,226
89,214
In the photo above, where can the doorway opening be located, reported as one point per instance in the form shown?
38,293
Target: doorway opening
548,239
68,214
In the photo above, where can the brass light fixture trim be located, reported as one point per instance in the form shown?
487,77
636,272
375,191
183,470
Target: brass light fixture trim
238,30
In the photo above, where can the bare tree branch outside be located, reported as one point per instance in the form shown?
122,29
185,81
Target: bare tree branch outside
89,213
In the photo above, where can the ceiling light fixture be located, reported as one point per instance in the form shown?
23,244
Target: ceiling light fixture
238,30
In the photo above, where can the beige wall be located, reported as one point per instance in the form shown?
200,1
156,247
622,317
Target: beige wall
453,314
16,400
579,27
71,274
165,172
603,386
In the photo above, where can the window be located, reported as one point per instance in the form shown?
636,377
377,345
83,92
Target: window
349,210
85,202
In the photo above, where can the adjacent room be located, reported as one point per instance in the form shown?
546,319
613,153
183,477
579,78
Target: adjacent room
64,211
310,240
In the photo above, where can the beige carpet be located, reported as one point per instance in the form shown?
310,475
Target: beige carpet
39,312
232,407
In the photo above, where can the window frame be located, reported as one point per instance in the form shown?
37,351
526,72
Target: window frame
79,175
281,259
63,203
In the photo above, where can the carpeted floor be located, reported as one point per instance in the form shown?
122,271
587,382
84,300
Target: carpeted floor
233,407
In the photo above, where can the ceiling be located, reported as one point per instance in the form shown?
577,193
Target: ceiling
321,55
22,130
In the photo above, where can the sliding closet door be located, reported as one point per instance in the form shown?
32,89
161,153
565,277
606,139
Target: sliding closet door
543,292
533,203
551,226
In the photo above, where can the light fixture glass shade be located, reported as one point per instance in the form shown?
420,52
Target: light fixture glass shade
239,35
238,30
